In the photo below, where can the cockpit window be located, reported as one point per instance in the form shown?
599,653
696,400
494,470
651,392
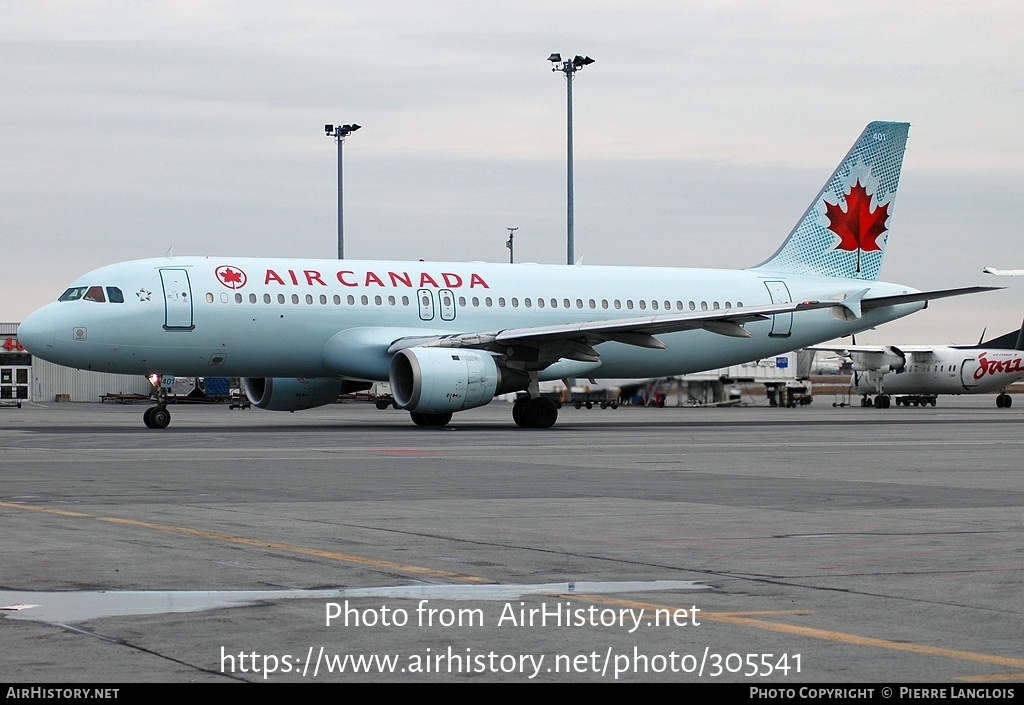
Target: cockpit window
95,293
92,293
74,293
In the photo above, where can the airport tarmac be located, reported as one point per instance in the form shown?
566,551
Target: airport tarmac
744,545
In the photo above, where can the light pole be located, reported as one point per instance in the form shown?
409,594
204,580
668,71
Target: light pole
339,133
569,67
510,245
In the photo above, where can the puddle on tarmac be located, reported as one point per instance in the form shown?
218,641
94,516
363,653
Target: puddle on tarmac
74,607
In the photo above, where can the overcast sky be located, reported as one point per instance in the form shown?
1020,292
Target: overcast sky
702,132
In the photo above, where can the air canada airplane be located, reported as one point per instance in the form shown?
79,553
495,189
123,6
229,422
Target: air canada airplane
919,373
451,336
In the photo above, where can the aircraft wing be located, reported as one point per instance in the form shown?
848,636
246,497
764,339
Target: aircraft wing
574,341
1004,272
879,357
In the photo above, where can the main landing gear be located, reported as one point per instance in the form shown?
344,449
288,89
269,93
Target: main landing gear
157,416
1004,400
536,412
882,401
430,419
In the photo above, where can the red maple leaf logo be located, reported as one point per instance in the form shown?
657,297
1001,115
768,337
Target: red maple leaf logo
858,227
231,277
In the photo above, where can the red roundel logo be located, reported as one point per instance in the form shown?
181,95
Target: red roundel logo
231,277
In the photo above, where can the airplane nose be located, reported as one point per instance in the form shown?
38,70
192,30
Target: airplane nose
35,333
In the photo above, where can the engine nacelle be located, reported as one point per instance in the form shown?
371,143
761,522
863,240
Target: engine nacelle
441,380
889,359
291,394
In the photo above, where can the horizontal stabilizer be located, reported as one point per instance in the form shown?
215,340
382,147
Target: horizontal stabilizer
881,301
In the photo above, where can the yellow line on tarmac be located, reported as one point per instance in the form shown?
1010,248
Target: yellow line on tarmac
743,619
289,548
992,678
746,619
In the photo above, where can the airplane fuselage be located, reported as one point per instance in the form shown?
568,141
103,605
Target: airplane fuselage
277,318
947,370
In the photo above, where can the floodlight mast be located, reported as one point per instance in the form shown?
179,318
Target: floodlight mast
569,67
510,244
339,133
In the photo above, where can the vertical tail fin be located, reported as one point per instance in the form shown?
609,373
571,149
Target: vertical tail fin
1010,341
844,231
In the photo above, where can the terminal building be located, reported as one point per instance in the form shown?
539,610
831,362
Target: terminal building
24,378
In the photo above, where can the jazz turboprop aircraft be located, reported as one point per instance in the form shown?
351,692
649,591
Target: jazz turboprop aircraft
918,373
451,336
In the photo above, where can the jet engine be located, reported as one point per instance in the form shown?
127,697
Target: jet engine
291,394
442,380
890,358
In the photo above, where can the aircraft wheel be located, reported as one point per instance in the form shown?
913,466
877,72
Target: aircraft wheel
878,402
159,417
934,402
885,401
147,417
430,419
519,412
541,413
382,404
577,404
1008,402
